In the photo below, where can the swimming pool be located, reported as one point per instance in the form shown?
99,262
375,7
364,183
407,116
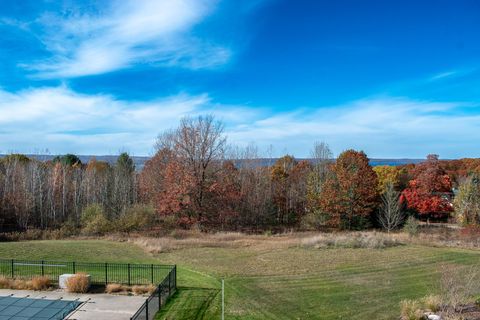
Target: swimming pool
13,308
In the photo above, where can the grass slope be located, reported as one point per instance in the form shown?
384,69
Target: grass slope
297,283
275,283
75,250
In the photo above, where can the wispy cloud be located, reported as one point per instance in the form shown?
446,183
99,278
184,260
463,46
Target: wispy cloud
65,121
443,75
125,33
452,74
381,126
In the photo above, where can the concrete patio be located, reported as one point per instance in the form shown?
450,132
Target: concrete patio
95,305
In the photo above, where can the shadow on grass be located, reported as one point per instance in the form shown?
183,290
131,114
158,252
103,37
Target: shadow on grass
190,303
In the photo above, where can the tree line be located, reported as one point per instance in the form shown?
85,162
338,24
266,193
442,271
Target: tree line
196,178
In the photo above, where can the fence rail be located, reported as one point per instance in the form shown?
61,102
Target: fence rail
101,273
158,298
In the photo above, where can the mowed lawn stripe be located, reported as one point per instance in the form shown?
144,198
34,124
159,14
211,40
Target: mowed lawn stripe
282,283
299,283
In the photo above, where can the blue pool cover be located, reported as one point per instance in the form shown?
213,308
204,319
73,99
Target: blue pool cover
12,308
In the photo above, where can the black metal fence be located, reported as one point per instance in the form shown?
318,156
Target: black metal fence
100,273
158,298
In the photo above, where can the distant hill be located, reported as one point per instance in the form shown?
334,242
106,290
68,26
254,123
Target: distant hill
140,161
373,162
394,162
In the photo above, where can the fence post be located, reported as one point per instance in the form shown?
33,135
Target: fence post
129,274
13,274
152,273
43,269
170,283
146,308
106,273
159,288
74,268
175,274
223,299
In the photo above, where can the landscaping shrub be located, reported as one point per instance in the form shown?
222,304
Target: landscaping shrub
78,283
411,226
94,220
40,283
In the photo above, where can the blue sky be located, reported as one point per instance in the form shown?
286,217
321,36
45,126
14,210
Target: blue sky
393,78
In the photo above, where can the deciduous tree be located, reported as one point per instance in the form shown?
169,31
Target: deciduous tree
386,175
429,193
350,194
390,213
467,201
198,148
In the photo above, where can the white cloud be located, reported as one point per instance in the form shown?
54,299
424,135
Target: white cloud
381,126
65,121
127,32
62,120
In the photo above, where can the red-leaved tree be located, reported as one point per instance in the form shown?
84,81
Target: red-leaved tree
429,193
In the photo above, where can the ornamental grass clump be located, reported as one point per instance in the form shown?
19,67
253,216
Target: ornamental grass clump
411,310
141,290
40,283
78,283
115,288
5,282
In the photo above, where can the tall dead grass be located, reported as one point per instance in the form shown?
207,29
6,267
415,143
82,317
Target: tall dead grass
124,289
141,290
371,240
40,283
186,239
216,240
36,283
79,283
115,288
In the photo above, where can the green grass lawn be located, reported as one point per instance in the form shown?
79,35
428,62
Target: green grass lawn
63,257
275,283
